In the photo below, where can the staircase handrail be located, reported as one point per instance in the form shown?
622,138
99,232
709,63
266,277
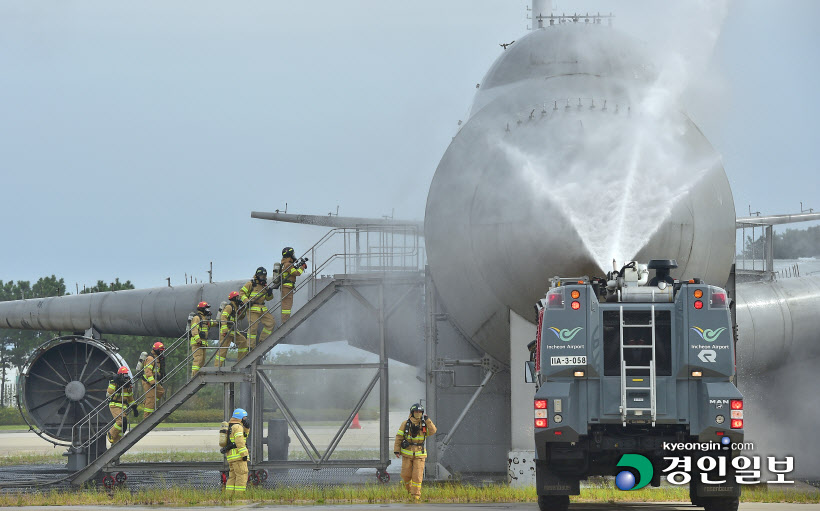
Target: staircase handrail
76,432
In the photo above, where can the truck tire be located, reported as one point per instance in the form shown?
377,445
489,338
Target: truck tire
720,503
553,502
693,495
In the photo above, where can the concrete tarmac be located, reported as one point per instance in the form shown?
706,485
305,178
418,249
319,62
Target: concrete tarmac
621,506
205,439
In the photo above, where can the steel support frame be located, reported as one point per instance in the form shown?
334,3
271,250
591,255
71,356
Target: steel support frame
436,365
251,374
431,355
263,385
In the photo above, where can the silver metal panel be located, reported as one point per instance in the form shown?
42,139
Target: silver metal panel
524,193
777,323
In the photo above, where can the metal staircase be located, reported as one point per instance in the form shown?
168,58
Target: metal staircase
210,375
234,374
633,376
89,433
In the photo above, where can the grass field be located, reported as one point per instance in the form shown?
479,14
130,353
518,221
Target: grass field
597,489
378,494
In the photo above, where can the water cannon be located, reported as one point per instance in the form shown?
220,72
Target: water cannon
663,268
631,283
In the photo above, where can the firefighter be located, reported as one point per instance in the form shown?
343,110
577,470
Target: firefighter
153,370
254,295
120,398
237,453
200,322
410,447
289,274
228,332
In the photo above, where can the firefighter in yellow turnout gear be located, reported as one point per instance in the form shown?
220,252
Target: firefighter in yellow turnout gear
254,294
200,322
410,447
120,396
289,274
228,332
152,373
237,452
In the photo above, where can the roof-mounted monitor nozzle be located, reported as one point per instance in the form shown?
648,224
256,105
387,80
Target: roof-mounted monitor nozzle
662,268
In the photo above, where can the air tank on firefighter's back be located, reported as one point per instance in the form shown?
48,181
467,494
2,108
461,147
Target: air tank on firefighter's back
575,153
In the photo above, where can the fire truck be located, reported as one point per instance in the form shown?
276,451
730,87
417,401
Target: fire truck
629,365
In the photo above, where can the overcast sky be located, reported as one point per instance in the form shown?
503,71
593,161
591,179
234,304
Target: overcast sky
135,139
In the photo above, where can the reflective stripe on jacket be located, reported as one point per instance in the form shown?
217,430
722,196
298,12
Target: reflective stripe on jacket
256,294
237,436
416,448
121,397
228,319
290,272
199,329
151,369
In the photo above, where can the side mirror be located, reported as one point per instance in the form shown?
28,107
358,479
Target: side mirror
529,371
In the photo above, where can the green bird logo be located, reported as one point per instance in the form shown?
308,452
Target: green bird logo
708,335
566,334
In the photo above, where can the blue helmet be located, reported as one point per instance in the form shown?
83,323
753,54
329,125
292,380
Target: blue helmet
239,413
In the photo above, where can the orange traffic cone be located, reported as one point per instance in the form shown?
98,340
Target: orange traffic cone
355,424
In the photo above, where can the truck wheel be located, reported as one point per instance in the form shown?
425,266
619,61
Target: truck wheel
720,503
553,502
693,496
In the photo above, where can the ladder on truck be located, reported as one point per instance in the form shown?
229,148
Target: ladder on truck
630,371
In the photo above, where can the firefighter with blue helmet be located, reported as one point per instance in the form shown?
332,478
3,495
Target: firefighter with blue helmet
410,448
237,452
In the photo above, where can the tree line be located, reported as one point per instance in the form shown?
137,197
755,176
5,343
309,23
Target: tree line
16,346
789,244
